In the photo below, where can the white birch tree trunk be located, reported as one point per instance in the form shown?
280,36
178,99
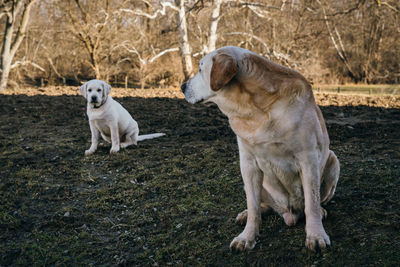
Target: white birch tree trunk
179,7
10,45
215,16
184,40
6,57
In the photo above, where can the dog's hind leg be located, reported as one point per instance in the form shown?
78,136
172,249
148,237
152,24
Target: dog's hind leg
130,139
106,138
330,177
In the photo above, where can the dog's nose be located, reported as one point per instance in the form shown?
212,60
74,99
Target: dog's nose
94,98
183,87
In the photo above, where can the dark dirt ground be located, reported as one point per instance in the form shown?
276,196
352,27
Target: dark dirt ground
173,200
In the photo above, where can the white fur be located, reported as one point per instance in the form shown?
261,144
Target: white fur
109,118
199,86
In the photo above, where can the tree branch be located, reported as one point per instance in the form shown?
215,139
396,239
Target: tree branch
348,11
26,62
267,49
162,11
380,2
162,53
340,52
23,24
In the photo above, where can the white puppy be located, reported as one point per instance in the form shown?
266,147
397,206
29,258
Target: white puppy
109,118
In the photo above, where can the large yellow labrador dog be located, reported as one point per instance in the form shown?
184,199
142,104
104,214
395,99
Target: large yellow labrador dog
285,159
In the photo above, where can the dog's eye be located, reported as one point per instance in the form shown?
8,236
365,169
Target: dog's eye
199,70
99,90
90,90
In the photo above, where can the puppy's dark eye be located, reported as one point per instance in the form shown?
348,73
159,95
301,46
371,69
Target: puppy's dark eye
199,70
90,90
99,90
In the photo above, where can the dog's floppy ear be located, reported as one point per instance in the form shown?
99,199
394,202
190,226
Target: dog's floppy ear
83,91
223,69
106,88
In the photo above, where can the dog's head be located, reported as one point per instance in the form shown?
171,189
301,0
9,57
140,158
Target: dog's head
96,92
216,70
237,76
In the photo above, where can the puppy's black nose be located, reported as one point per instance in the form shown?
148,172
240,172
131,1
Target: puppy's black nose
183,87
94,98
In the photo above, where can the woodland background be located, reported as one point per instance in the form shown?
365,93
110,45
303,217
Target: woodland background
140,43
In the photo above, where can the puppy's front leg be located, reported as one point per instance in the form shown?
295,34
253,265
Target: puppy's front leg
310,178
95,138
114,137
252,178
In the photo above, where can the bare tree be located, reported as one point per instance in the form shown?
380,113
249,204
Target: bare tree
247,35
17,18
144,62
184,39
180,9
211,34
215,17
135,40
89,28
337,42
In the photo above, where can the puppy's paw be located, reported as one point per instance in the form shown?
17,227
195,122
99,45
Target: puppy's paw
125,145
241,218
317,238
89,152
114,149
242,243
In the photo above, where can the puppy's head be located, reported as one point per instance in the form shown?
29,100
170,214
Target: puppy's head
215,71
96,92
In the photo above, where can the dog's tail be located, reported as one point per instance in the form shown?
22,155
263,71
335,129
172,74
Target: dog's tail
149,136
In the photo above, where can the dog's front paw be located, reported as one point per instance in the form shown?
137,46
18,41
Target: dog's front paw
89,152
317,238
114,149
242,243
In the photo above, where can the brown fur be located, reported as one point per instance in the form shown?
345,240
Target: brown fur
273,77
257,79
223,69
267,81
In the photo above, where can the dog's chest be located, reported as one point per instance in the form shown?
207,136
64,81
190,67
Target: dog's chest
280,169
100,119
277,155
102,126
249,130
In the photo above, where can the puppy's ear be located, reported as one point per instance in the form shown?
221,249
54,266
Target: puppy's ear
106,88
223,69
83,91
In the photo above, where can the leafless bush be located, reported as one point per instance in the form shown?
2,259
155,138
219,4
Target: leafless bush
152,43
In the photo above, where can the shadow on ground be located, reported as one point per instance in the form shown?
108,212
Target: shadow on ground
173,200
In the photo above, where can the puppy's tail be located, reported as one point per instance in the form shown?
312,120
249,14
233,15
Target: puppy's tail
149,136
